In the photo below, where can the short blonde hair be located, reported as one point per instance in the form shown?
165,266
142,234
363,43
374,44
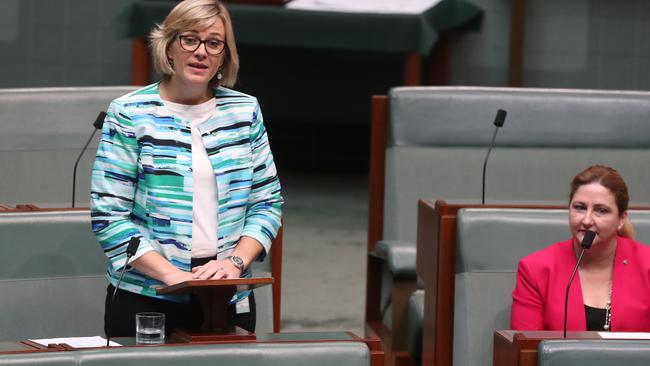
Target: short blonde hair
197,15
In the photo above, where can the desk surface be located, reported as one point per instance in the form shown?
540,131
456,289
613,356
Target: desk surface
278,26
23,346
11,346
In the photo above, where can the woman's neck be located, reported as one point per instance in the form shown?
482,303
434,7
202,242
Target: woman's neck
176,92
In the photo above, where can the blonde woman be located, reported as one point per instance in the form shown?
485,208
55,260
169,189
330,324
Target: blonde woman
185,165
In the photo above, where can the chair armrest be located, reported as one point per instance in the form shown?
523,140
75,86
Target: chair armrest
399,257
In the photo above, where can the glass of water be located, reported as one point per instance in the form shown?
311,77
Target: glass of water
149,328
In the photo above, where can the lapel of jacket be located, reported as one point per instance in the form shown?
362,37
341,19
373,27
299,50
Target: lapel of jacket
621,281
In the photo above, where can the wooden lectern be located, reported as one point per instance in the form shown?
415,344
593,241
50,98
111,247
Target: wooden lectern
214,297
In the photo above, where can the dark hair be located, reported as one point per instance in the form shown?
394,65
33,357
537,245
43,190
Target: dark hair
608,178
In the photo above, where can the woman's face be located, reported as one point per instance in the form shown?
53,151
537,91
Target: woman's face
198,67
593,207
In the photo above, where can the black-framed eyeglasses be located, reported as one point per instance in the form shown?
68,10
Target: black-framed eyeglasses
192,43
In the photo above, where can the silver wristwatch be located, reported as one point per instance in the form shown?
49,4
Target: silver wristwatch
237,262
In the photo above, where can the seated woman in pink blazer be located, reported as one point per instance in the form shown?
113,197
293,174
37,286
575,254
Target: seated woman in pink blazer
612,289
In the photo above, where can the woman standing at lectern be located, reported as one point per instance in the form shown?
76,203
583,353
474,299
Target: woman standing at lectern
611,291
185,165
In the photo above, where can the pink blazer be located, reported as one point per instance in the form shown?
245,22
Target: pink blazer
542,278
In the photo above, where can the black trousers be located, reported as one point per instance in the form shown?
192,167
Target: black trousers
119,317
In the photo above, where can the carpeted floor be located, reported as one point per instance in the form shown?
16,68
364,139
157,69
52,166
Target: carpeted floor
324,261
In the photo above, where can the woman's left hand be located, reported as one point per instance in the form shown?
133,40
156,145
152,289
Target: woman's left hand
215,269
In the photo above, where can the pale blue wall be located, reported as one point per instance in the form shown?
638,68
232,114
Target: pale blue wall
601,44
62,42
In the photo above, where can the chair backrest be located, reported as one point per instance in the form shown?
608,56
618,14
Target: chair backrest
52,275
593,353
490,243
253,354
437,138
43,131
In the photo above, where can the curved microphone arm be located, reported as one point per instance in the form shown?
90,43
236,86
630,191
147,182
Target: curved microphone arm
499,120
587,240
99,122
487,156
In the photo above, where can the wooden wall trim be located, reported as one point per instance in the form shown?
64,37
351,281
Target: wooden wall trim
379,123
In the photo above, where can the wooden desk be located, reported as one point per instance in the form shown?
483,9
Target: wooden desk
512,348
19,347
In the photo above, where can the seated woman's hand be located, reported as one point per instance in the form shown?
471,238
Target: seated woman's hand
214,270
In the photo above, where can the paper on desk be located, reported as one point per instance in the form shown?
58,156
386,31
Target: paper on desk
624,335
365,6
77,342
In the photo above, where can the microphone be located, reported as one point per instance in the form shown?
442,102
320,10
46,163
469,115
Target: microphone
99,122
587,240
498,122
134,243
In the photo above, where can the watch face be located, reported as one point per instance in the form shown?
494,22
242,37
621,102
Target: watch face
237,262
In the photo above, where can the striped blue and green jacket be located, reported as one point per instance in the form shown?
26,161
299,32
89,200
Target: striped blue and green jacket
142,180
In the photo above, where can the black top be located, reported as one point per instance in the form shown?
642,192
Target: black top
595,318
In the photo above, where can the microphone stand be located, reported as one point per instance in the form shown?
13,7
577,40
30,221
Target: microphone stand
99,121
498,122
134,243
587,240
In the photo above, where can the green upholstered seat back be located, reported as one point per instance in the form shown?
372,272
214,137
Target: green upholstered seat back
40,359
262,354
43,131
438,137
51,276
593,353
